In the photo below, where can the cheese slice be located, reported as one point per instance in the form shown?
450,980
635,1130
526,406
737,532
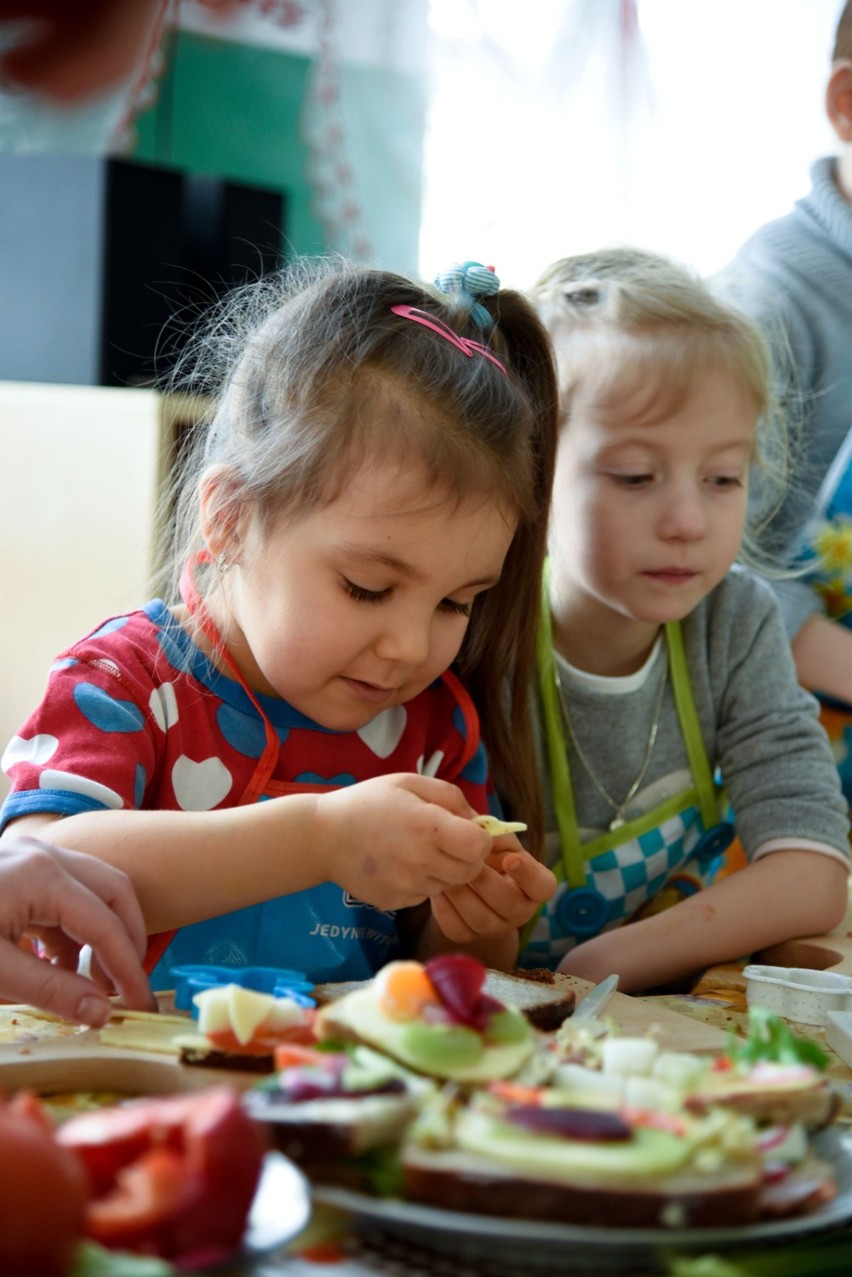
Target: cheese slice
145,1031
243,1011
495,827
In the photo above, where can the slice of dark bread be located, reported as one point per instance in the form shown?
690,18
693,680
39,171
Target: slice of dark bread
545,997
210,1057
319,1131
812,1100
456,1180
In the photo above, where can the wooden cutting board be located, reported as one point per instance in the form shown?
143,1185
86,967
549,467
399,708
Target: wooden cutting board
641,1016
47,1055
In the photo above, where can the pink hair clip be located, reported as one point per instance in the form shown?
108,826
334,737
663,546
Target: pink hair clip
464,344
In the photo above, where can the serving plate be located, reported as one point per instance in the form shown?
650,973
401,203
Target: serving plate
538,1244
280,1210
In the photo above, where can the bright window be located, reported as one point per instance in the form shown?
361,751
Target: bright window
554,129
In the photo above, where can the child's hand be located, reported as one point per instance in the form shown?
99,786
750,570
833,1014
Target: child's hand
394,840
503,896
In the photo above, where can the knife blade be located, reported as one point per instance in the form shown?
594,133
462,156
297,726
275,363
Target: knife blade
591,1006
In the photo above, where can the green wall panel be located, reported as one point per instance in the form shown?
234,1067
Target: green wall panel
233,111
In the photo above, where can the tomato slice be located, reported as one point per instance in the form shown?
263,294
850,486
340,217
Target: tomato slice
149,1191
516,1092
172,1177
289,1055
225,1040
109,1139
27,1104
264,1041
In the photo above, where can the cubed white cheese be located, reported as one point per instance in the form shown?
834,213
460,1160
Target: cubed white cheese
628,1055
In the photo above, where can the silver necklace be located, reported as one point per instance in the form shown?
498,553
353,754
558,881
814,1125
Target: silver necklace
619,808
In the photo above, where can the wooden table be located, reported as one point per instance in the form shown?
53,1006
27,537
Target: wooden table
719,997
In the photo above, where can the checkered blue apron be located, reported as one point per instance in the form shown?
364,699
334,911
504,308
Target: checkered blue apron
645,864
652,862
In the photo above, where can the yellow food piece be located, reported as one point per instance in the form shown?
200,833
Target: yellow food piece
494,827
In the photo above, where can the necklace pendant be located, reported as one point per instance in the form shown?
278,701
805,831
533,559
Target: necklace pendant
616,822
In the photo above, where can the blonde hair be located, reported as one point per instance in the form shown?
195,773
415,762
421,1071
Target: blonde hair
842,50
624,320
310,373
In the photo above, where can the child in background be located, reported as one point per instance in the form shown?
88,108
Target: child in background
366,508
793,276
662,663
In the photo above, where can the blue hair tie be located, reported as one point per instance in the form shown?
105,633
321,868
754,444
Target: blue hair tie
470,281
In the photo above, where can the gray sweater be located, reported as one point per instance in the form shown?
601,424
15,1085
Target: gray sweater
795,275
758,725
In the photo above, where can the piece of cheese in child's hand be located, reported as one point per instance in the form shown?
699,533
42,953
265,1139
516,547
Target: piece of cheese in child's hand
494,827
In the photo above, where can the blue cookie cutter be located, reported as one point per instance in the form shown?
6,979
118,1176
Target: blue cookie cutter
276,981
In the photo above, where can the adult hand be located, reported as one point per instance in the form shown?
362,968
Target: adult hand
66,899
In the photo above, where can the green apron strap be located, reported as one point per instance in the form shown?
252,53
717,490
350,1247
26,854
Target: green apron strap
560,779
690,725
574,853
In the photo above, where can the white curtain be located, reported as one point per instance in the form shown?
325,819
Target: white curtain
557,126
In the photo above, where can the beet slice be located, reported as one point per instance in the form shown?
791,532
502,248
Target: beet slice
458,980
570,1124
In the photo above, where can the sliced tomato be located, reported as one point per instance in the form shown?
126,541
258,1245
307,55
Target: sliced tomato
109,1139
175,1176
226,1040
264,1041
516,1092
290,1055
26,1104
43,1194
152,1189
654,1120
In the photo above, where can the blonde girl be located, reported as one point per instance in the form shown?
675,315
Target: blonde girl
285,755
662,664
